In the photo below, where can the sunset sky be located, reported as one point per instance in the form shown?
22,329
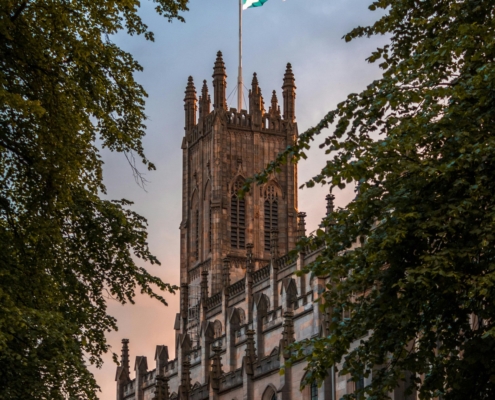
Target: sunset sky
306,33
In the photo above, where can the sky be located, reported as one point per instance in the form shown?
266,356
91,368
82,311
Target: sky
306,33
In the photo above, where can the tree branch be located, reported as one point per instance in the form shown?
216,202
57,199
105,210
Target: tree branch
19,11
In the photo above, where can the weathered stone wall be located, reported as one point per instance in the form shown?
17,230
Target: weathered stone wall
249,303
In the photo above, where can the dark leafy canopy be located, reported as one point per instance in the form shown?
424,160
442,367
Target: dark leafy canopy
64,85
420,142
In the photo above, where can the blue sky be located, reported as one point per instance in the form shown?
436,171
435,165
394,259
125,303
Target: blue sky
306,33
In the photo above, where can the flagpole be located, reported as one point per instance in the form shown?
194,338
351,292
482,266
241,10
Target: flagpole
239,78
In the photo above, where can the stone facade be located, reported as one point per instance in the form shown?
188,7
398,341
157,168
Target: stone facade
241,301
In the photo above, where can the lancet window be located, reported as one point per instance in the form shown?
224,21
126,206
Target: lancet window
194,232
196,236
270,212
237,217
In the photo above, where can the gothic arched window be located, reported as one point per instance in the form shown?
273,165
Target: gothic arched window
271,213
196,236
217,328
292,295
237,217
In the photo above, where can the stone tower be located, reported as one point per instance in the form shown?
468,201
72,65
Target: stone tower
221,148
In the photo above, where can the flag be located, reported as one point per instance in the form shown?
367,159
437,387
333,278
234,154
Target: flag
252,3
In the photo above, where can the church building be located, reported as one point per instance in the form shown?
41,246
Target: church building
241,301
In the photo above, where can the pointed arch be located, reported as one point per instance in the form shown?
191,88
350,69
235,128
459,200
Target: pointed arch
262,305
310,390
291,294
242,316
217,329
237,215
270,393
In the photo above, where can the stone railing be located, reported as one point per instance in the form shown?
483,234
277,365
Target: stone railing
171,365
241,118
236,288
285,261
214,301
262,274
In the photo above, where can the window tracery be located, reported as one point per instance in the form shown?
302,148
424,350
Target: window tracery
237,216
270,212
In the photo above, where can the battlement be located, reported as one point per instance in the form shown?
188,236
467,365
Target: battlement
256,118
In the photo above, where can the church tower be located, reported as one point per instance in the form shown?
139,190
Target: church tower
221,148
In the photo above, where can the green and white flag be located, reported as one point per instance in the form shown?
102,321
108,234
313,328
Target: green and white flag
252,3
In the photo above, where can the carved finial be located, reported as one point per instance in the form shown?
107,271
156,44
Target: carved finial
219,68
289,94
301,224
190,90
254,82
255,99
216,368
330,206
274,109
161,388
190,104
124,359
250,352
185,380
204,101
289,76
219,83
204,89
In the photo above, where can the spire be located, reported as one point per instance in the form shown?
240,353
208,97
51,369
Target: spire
301,224
330,207
254,82
219,83
274,109
124,359
250,352
289,95
216,368
288,334
204,101
185,380
161,388
255,102
330,198
190,104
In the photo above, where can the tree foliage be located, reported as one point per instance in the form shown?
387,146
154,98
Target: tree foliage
63,86
412,256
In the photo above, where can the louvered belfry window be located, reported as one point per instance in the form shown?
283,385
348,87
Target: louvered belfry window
196,236
271,213
210,238
237,217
